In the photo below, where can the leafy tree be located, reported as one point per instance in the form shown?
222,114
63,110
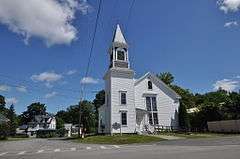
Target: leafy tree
187,98
98,102
11,115
232,107
3,109
2,102
88,117
60,123
64,116
184,122
32,110
4,131
166,77
99,99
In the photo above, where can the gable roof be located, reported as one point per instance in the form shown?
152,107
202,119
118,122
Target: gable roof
160,84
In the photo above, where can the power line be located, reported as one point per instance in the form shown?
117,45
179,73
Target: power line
24,82
92,44
88,65
130,14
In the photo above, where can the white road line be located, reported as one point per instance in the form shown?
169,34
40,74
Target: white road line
73,149
22,152
40,151
57,150
88,148
4,153
103,147
116,146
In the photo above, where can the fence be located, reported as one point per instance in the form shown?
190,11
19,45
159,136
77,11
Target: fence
225,126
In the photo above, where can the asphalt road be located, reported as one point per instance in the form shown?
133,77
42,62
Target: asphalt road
217,148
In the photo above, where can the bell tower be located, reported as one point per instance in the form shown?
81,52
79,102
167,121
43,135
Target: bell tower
119,51
119,88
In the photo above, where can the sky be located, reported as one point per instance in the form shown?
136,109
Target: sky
45,46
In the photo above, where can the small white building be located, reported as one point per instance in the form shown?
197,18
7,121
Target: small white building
134,105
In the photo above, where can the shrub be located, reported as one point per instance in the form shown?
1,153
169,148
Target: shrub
4,131
61,132
46,133
21,136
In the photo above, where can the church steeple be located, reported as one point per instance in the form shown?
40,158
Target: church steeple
119,50
118,36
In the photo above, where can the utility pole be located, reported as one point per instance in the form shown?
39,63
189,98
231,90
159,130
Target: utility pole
80,114
81,133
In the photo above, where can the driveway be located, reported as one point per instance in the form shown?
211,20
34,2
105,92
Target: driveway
215,148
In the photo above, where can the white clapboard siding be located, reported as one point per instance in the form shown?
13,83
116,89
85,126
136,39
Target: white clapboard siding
123,84
166,105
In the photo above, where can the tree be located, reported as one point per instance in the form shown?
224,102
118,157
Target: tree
2,102
98,102
60,123
11,115
232,107
99,99
4,131
88,117
187,98
32,110
3,109
184,122
166,77
64,116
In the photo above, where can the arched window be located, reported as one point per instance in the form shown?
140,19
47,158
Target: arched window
149,85
121,53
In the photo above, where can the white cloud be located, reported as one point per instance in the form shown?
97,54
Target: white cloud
47,77
89,80
238,76
50,20
229,5
226,84
50,95
4,88
231,24
12,100
21,89
71,72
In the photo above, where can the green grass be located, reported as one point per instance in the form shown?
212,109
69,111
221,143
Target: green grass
196,135
118,139
13,139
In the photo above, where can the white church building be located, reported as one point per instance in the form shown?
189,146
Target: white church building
134,105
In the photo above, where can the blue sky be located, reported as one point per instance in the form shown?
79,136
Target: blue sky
197,41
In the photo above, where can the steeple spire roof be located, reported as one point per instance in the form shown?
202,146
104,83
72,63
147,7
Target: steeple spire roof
118,36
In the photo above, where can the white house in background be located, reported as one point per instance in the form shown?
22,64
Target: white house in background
134,105
40,122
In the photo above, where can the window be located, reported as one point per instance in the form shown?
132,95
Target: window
155,118
151,104
148,103
149,85
150,118
123,98
154,104
121,55
124,118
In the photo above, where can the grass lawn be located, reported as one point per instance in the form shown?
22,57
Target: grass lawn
118,139
13,139
196,135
